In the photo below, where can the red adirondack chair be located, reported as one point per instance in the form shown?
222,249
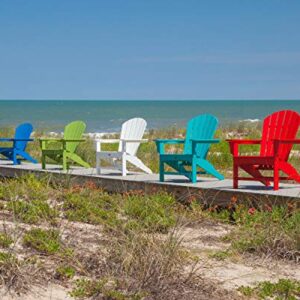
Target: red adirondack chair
278,136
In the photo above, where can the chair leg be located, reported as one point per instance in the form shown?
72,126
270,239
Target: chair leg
124,169
43,161
276,177
14,158
194,172
161,171
98,164
65,164
235,176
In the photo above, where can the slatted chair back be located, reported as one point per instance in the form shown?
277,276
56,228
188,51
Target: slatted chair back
132,129
199,128
279,125
73,131
23,131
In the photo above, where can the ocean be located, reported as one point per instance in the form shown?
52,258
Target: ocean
107,116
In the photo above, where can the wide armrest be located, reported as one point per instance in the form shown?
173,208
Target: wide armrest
73,140
14,140
244,142
134,141
169,141
50,139
61,140
205,141
287,141
107,141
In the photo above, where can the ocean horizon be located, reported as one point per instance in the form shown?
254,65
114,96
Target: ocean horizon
104,116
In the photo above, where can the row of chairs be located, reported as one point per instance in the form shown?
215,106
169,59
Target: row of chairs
278,137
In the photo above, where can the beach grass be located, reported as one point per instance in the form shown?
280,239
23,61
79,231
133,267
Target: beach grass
135,247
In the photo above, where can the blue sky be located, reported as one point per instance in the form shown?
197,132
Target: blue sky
149,49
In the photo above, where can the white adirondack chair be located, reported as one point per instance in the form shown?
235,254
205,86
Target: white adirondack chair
131,136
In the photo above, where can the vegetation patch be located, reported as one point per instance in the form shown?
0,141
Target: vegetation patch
105,288
284,289
26,188
221,255
91,207
151,212
64,272
274,231
5,240
33,212
44,241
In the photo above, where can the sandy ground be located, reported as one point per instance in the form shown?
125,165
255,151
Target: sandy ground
202,240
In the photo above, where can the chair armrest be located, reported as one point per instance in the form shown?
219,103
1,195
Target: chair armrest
160,144
134,141
107,141
205,141
244,142
288,141
166,141
234,144
14,140
50,139
73,140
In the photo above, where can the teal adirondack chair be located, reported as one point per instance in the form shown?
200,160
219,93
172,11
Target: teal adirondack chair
63,150
199,135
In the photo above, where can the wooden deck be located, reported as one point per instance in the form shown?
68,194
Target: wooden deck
208,190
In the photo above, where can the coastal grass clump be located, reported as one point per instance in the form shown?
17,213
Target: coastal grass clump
65,272
138,265
26,188
153,213
5,240
272,231
15,274
285,289
32,212
46,242
91,206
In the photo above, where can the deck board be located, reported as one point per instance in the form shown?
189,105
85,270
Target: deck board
208,190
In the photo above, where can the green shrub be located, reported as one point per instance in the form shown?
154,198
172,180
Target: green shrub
44,241
32,212
27,187
85,288
150,212
5,240
91,207
273,231
283,289
65,272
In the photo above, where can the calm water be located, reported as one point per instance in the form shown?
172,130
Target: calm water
107,116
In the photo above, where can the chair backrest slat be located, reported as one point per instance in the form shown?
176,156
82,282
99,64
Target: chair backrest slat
74,131
132,129
279,125
200,127
23,131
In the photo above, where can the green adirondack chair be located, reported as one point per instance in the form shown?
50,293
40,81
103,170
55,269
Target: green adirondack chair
199,135
63,150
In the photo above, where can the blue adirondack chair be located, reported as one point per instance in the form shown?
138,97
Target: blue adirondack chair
17,152
199,135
